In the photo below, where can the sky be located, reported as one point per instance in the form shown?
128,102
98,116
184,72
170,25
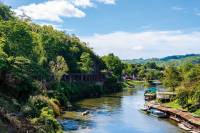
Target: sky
128,28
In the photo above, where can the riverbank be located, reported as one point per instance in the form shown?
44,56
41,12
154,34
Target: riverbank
181,116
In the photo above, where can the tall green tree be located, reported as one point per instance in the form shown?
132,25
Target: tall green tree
113,64
86,63
172,77
58,68
5,12
128,69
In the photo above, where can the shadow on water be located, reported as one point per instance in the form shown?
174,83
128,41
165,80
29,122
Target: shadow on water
115,113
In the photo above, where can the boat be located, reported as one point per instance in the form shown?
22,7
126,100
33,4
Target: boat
182,126
150,94
144,109
174,118
157,113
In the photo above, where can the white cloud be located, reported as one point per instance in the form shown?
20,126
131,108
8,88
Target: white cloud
83,3
55,10
197,13
145,44
107,1
177,8
52,10
138,47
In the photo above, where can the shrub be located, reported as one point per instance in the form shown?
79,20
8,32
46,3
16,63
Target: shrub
36,103
112,85
196,96
70,92
182,96
47,122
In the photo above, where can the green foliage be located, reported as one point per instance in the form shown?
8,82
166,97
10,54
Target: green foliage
58,68
128,69
148,71
183,96
151,65
5,12
196,96
18,38
86,63
76,91
197,113
36,103
193,75
47,122
3,61
113,64
172,77
141,73
34,58
112,85
174,104
38,50
175,60
29,52
188,94
8,104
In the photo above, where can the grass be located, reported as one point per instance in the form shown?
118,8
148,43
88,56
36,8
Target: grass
197,113
132,83
135,82
174,105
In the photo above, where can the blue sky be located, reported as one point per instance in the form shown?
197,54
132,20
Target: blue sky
128,28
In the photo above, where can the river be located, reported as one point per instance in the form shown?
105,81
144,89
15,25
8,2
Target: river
116,113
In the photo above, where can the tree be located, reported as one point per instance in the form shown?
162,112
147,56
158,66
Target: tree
17,38
58,68
141,73
193,75
150,75
128,69
5,12
86,63
172,77
151,65
3,60
182,96
113,64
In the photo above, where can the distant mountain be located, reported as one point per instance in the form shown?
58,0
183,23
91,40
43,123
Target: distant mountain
174,59
177,57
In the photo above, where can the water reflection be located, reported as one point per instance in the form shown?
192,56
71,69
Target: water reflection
116,113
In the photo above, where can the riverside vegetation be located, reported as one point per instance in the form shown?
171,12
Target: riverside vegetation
180,74
33,60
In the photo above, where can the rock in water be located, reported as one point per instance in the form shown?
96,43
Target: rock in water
85,113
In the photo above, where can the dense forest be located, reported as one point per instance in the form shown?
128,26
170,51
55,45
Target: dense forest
185,80
33,60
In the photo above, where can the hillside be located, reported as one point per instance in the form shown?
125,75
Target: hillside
33,62
174,59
